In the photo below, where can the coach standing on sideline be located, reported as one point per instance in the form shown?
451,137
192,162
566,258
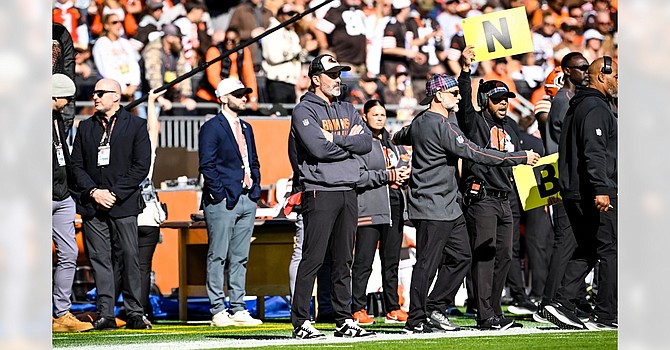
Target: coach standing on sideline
327,133
229,164
441,236
587,166
111,157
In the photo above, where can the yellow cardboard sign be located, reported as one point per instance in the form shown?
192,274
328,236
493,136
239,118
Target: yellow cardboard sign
498,34
535,184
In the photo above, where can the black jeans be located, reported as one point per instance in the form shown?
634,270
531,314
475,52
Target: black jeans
330,219
489,223
596,236
441,247
561,252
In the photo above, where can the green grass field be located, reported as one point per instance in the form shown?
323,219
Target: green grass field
276,334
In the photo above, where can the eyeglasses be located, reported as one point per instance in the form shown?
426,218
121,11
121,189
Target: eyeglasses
228,40
583,67
100,93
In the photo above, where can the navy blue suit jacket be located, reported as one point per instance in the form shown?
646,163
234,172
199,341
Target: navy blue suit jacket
221,162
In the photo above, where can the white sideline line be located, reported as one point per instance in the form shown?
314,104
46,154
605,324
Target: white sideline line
329,341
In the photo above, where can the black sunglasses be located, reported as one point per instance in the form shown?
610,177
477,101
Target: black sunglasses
100,93
333,75
238,94
583,67
455,93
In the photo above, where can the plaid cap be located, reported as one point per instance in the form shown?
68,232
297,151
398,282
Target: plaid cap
496,89
438,82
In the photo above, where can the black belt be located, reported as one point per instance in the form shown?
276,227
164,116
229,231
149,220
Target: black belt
246,190
496,194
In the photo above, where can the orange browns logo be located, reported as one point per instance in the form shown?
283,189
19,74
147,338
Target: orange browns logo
500,140
340,125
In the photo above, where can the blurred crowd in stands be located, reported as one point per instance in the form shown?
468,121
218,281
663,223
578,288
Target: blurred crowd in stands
393,46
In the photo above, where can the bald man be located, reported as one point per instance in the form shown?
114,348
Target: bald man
587,166
111,156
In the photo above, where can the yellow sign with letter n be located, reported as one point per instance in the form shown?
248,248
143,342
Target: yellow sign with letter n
535,184
498,34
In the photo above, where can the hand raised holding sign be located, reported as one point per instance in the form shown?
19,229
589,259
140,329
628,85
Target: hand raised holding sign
467,57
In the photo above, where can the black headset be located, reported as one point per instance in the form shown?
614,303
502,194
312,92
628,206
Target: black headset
482,98
607,65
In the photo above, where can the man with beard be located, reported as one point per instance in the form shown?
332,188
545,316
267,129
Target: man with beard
327,134
229,165
486,204
587,167
164,61
434,202
575,75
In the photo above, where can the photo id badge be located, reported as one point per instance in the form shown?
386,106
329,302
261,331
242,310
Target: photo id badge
60,155
103,155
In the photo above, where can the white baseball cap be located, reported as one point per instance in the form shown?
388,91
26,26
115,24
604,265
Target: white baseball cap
593,34
401,4
231,85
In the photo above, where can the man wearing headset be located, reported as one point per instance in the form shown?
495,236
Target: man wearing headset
587,168
485,193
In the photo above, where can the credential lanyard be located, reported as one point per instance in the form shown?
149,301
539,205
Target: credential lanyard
107,134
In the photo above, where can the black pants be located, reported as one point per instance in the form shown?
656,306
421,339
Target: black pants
596,236
112,245
390,242
281,92
539,236
515,276
489,223
147,238
561,252
330,219
441,247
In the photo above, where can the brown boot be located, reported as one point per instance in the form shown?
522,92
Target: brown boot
69,323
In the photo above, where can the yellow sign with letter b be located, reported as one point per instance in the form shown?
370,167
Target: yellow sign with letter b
498,34
535,184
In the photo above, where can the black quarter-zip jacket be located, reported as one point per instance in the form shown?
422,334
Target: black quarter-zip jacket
487,132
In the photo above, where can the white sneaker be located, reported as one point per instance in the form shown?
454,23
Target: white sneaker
242,318
222,319
350,329
307,331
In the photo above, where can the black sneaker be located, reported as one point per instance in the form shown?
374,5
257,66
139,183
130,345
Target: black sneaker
421,328
495,323
513,325
307,331
350,329
524,307
541,315
563,317
138,322
439,320
595,324
583,310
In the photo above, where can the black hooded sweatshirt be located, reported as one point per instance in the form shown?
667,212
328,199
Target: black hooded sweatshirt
587,154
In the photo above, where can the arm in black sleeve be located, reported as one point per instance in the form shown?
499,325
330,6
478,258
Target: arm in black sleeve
466,113
594,138
139,167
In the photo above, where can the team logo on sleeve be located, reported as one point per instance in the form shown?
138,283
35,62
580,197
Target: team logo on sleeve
305,122
599,132
460,139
